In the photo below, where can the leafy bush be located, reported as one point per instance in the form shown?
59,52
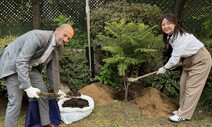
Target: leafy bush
127,43
74,69
206,22
168,83
108,76
207,25
116,10
62,19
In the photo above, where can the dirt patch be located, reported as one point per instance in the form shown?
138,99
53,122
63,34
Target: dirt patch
150,100
101,94
153,102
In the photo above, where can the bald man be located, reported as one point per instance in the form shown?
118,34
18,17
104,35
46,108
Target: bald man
21,63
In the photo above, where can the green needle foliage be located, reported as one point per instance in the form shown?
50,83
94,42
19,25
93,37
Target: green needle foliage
127,43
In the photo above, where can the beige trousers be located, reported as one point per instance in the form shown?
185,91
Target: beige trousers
193,78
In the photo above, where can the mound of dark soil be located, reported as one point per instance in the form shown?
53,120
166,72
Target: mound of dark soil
76,102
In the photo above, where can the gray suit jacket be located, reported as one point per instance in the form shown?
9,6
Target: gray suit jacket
20,55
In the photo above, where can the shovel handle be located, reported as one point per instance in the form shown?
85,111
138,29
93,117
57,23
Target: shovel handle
140,77
51,95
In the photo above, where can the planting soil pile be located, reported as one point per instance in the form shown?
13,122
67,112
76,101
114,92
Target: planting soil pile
154,102
100,93
76,102
150,100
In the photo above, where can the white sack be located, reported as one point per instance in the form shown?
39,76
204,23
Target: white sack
70,114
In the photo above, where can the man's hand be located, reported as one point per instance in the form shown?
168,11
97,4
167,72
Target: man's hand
62,94
32,92
161,70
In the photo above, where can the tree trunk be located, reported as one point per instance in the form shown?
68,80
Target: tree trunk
36,14
179,8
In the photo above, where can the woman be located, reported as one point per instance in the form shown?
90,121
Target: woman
196,65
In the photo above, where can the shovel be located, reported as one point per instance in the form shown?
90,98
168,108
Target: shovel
50,95
130,79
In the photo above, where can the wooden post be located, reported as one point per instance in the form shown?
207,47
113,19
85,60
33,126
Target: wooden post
179,8
36,14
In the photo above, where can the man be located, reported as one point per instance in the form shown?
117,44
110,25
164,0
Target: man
21,63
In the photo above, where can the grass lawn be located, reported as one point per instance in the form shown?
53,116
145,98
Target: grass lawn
123,114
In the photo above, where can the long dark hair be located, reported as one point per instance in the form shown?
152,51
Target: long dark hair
178,29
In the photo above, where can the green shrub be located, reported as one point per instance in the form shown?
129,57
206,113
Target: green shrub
108,76
168,83
74,69
116,10
126,44
132,12
207,25
205,28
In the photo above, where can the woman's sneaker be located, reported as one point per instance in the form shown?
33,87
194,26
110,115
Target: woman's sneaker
174,112
176,118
